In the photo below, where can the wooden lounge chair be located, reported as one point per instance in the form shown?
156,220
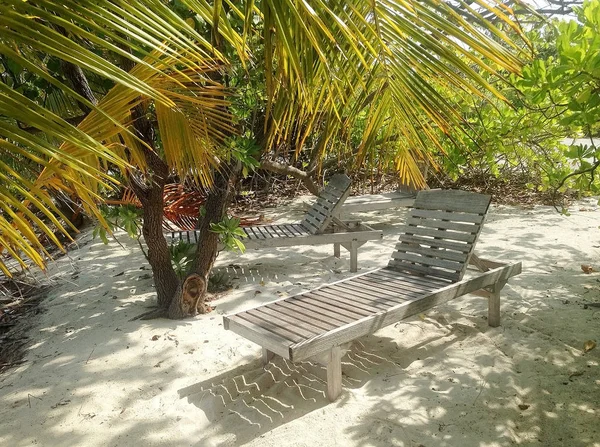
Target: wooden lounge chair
377,202
319,226
427,268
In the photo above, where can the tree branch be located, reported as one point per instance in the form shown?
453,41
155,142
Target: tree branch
572,174
280,168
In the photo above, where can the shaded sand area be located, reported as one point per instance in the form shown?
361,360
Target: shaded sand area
443,378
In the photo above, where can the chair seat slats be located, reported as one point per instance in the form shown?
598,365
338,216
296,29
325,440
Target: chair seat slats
453,201
374,302
427,283
403,289
423,269
355,305
275,326
306,315
316,309
461,247
292,323
325,302
330,200
426,269
358,290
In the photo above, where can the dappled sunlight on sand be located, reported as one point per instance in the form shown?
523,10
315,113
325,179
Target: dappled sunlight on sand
443,378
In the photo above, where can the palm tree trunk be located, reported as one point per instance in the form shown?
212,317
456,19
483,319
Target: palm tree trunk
215,207
150,192
219,197
191,297
165,279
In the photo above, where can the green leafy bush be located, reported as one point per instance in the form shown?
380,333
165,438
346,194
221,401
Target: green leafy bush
230,233
182,254
124,217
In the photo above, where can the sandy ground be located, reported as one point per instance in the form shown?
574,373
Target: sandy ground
444,378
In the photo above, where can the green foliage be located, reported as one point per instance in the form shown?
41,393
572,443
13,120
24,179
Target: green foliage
230,233
351,81
182,255
565,88
556,97
124,217
570,82
245,150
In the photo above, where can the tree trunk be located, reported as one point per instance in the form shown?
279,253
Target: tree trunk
189,298
151,194
80,84
149,189
70,207
78,79
215,206
164,276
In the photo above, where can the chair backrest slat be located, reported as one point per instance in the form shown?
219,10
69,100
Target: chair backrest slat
440,233
327,205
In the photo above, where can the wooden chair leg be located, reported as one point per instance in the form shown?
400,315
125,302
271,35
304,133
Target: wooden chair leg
353,256
494,304
336,250
334,373
267,356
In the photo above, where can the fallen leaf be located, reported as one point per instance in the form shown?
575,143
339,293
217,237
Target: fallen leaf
575,374
523,407
589,345
586,268
422,317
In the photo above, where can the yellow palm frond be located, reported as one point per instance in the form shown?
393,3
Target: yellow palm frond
165,50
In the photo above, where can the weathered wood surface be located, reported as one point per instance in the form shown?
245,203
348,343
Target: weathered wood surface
312,322
440,233
452,200
316,220
319,215
426,269
293,235
375,202
317,228
334,373
343,237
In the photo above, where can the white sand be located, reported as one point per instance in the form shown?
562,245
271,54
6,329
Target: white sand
93,378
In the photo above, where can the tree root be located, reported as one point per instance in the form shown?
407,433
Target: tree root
189,298
159,312
188,301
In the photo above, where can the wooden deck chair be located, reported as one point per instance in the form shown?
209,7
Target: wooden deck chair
428,267
319,226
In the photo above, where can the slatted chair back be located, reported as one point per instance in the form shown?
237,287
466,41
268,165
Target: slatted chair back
440,233
327,205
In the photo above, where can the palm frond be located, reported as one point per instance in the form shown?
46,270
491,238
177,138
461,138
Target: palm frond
163,47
